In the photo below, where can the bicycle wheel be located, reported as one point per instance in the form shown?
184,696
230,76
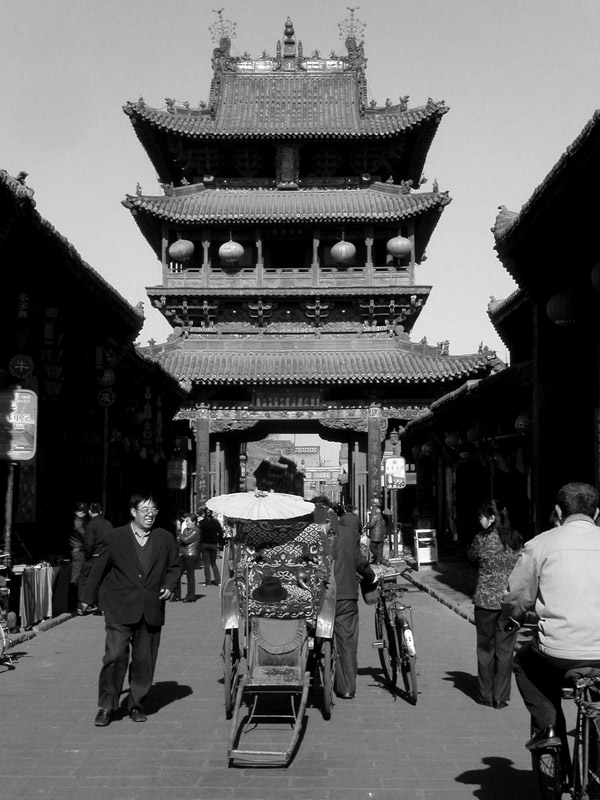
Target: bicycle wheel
408,657
387,650
327,671
231,665
547,770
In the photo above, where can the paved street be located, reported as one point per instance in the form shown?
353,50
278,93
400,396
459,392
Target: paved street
374,747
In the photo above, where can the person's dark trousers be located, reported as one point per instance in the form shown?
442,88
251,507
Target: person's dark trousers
376,549
345,631
540,679
495,648
209,556
143,641
189,567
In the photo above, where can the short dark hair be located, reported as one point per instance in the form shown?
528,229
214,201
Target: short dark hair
95,508
141,497
81,508
191,515
577,498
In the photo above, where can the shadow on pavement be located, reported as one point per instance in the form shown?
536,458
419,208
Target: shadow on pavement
164,692
499,780
464,682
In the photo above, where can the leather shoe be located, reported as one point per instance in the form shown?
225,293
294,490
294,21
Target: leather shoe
547,737
347,696
102,718
137,715
500,703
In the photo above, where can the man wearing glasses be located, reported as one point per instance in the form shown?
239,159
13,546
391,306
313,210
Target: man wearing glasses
136,571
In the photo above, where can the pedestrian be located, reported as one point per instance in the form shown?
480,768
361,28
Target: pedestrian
495,550
557,576
211,538
349,519
77,543
136,571
95,532
376,528
189,543
349,561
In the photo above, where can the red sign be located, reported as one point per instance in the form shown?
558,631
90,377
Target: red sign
18,424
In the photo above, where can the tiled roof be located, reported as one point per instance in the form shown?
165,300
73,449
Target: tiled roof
284,106
378,203
318,367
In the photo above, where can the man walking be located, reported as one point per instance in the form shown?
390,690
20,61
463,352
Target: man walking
376,527
137,569
95,531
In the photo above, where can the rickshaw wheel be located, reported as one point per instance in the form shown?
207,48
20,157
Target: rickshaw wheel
231,664
327,675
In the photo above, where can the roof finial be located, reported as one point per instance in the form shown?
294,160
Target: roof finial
352,28
222,28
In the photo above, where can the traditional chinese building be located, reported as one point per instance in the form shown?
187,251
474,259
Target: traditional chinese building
521,434
290,230
103,425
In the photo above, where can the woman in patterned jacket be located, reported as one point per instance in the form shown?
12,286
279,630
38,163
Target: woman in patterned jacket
495,551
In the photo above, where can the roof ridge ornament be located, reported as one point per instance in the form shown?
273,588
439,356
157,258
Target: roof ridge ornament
222,28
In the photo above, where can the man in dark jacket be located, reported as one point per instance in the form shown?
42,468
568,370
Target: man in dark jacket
95,531
349,519
348,562
377,527
211,538
137,569
189,541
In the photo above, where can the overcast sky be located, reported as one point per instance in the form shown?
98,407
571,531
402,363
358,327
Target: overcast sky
521,78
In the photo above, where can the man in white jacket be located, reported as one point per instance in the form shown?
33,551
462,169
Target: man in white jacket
558,576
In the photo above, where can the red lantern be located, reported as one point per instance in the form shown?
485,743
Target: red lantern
230,252
523,423
343,252
562,308
181,250
399,247
452,440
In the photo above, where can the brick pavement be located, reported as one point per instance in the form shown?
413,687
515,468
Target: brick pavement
374,747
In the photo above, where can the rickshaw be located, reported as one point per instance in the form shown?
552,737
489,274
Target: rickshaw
278,607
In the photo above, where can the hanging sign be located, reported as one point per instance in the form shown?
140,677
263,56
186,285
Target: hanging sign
177,473
18,424
395,473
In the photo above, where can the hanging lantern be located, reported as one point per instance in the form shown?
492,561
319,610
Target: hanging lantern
181,250
343,252
562,308
399,247
523,423
452,440
474,434
230,252
595,276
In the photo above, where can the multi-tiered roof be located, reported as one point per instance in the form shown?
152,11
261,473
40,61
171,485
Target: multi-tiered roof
289,158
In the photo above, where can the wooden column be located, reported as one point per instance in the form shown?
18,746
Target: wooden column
374,453
202,455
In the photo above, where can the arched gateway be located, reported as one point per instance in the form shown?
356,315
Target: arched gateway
289,232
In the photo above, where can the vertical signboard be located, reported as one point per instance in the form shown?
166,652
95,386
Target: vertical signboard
18,424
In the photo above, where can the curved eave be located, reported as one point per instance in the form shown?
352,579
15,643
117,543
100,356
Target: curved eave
233,207
284,292
248,368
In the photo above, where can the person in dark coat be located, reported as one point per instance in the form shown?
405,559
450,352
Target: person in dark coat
349,563
377,529
188,538
211,538
137,569
349,519
95,531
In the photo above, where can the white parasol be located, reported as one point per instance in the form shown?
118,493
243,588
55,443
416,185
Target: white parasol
257,505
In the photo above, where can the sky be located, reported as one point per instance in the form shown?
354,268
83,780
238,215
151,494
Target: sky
521,78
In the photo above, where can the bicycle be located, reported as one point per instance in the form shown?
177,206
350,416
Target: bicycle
556,772
7,618
395,640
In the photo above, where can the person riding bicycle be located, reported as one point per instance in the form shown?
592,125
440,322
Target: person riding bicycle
557,575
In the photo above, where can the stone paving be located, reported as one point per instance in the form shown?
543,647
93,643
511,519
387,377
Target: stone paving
375,747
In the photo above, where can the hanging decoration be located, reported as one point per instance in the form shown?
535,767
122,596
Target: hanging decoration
562,308
181,250
595,276
399,247
343,252
231,252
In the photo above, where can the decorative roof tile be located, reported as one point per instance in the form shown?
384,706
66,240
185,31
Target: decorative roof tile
378,203
275,367
286,106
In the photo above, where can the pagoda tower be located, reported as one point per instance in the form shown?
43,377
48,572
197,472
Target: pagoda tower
290,229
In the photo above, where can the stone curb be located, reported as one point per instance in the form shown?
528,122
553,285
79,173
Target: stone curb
441,598
45,625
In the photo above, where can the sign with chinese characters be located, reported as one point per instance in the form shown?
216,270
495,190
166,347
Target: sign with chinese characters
395,472
18,424
177,473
